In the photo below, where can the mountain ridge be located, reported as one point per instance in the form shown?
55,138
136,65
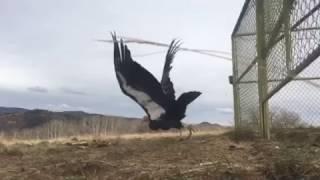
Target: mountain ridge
13,118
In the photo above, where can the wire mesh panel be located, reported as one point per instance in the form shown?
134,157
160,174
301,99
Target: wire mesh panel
244,48
276,44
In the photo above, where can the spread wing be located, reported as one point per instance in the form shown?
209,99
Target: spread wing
166,84
137,83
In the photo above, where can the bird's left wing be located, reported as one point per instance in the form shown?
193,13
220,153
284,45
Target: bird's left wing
137,83
166,84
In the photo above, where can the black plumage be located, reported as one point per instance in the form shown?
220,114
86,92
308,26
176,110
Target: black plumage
158,100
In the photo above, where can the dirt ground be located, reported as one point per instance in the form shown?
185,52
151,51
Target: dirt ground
204,156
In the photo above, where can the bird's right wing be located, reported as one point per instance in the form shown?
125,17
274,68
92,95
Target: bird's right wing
166,84
137,83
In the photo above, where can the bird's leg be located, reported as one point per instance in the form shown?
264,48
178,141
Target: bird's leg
191,130
180,134
145,119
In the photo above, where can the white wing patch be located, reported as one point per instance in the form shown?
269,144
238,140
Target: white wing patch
154,109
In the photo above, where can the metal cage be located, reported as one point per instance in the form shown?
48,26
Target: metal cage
275,47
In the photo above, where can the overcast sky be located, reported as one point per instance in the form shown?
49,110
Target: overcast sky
49,58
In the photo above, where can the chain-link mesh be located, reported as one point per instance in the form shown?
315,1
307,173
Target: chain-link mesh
291,47
245,47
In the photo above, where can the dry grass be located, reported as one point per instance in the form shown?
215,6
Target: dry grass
155,135
242,134
207,155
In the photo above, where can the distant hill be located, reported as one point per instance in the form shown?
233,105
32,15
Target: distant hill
207,126
44,124
19,118
6,110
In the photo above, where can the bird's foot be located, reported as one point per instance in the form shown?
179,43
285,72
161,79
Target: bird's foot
190,129
180,135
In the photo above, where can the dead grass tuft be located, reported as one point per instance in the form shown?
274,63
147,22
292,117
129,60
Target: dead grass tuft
298,135
293,163
242,134
12,151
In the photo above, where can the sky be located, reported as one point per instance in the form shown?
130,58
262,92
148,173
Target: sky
50,59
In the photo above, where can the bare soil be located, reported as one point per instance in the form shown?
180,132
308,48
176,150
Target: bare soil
204,156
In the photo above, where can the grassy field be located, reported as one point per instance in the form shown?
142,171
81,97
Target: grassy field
207,155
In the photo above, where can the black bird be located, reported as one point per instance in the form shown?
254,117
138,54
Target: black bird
158,100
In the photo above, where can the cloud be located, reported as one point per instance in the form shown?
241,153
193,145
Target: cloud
66,107
71,91
38,89
225,110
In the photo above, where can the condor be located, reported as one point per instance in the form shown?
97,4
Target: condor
156,98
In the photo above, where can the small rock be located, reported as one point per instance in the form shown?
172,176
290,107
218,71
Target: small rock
236,165
100,145
316,145
82,144
235,147
232,147
206,163
203,141
74,139
82,147
316,150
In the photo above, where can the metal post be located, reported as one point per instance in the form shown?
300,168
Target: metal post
287,5
235,84
262,69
